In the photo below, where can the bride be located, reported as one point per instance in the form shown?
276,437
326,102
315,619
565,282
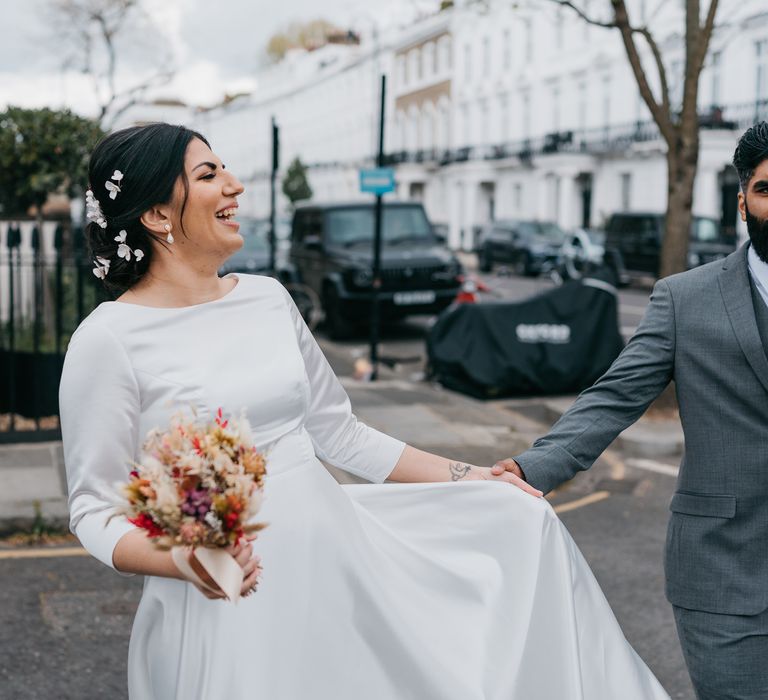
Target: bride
450,585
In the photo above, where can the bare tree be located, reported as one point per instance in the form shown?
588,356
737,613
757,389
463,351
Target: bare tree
92,34
679,129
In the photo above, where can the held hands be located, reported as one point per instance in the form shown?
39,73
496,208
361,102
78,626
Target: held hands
242,553
509,468
467,472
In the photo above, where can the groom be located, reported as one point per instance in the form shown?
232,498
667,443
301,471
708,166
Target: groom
706,329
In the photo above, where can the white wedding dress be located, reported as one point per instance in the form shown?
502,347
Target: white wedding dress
450,591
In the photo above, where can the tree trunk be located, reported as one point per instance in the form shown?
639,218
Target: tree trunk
682,164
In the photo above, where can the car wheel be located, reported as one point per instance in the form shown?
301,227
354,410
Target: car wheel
486,261
338,327
523,267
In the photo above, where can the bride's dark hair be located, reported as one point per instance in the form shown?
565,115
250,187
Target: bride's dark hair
151,159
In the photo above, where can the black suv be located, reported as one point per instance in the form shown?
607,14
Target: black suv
332,251
633,242
532,247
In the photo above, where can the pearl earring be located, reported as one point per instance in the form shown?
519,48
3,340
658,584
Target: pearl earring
169,237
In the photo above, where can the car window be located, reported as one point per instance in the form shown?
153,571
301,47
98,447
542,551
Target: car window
504,234
596,237
349,226
705,230
552,232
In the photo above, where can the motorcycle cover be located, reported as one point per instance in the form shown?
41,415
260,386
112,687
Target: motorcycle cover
558,342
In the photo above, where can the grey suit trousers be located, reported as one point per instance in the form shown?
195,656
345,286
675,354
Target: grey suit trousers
726,655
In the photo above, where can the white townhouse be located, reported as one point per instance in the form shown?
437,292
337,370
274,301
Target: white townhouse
546,120
325,103
503,109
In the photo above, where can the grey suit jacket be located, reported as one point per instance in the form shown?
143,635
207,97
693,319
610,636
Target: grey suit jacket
700,330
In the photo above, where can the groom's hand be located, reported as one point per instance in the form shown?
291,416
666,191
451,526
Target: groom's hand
507,465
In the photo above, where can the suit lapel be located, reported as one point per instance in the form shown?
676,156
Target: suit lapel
734,286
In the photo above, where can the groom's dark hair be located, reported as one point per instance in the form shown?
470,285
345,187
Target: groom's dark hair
751,150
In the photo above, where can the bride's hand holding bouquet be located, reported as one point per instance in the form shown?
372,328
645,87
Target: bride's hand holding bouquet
195,493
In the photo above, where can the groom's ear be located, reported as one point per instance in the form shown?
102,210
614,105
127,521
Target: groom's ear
742,206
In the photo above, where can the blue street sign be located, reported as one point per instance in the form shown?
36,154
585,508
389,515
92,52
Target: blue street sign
377,180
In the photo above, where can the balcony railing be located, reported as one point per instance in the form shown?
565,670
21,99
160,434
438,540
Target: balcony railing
595,141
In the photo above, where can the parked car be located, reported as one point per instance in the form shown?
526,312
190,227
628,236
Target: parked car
332,252
583,252
633,242
253,257
531,247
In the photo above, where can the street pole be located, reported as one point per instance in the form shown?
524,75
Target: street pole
273,195
376,272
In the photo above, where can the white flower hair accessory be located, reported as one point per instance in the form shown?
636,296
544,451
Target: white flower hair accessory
93,210
124,250
114,187
102,267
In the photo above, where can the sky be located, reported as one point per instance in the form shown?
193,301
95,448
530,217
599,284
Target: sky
217,47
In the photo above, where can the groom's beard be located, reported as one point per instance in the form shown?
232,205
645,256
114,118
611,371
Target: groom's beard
758,234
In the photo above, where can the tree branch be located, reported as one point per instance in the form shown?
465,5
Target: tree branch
584,16
660,110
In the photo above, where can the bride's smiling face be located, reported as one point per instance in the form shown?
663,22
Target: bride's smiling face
206,224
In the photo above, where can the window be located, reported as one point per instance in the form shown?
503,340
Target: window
559,28
468,62
435,58
626,191
606,102
483,107
404,69
528,39
517,197
504,117
581,104
525,101
419,64
587,7
761,67
555,96
676,83
507,48
486,56
467,127
715,77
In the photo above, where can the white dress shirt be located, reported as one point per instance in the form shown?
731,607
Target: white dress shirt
759,273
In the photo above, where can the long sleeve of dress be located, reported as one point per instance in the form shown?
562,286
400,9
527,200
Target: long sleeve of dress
338,437
99,403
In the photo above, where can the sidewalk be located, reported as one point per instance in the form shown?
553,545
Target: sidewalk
420,413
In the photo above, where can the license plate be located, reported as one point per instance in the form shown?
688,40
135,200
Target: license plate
410,298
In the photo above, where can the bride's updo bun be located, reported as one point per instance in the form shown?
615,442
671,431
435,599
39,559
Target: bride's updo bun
139,166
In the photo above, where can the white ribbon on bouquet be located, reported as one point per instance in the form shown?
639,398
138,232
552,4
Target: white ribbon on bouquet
220,566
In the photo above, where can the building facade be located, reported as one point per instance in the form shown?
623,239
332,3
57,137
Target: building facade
507,111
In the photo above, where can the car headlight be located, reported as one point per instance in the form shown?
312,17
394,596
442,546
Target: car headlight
362,278
693,260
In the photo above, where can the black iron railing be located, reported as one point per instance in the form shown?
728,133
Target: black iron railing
46,289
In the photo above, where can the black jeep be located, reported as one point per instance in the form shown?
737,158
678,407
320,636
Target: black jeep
633,243
332,251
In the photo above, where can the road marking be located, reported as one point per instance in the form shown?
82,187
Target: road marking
618,472
651,465
595,497
43,553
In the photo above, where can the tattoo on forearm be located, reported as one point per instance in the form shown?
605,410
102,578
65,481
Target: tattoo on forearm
458,470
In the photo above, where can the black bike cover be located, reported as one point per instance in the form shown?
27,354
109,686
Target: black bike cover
558,342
